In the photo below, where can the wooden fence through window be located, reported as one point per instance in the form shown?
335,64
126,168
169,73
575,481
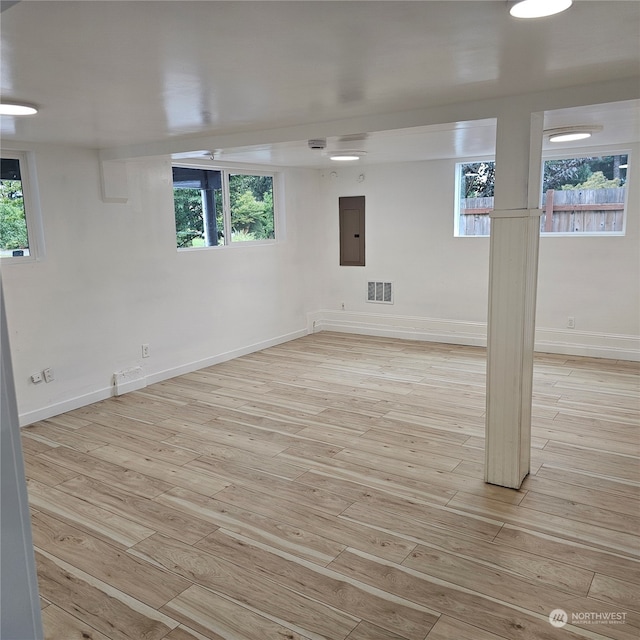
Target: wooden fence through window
570,211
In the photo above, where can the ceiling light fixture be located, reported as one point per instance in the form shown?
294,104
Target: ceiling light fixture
571,134
17,109
539,8
347,156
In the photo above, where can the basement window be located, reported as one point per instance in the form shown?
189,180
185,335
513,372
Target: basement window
581,195
584,195
474,197
217,207
20,223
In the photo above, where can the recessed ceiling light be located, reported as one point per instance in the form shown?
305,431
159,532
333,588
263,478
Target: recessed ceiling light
539,8
347,156
570,137
17,109
571,134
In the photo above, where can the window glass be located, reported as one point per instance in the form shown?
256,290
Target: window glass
197,201
216,207
14,234
582,195
474,200
251,205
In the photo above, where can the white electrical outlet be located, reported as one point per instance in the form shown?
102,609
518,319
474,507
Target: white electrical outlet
571,322
145,350
48,375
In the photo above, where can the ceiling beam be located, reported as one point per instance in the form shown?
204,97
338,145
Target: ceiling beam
597,93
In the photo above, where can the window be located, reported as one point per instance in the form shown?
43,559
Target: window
584,195
581,195
474,197
218,207
19,215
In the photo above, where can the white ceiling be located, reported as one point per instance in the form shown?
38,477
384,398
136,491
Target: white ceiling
110,74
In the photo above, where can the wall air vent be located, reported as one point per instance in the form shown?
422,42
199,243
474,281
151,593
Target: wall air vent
380,292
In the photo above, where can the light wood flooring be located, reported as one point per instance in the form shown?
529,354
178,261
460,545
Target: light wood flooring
331,487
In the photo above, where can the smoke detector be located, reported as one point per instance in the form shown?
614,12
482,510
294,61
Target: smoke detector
317,143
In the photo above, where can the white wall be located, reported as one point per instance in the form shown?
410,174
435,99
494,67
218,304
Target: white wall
409,241
113,280
440,282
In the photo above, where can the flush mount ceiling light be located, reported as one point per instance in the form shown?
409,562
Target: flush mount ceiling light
571,134
539,8
17,109
347,156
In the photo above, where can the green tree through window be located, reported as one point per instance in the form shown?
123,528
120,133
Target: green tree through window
200,213
14,237
251,200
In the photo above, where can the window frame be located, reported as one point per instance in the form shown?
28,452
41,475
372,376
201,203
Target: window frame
587,153
457,186
559,154
32,209
226,170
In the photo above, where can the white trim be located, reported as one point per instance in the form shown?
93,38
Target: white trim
405,327
65,405
516,213
101,394
32,208
222,357
560,341
586,343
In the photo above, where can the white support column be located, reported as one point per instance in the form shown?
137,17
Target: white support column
513,273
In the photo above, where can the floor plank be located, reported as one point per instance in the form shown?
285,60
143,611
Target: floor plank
244,584
279,534
402,616
387,545
220,618
141,580
60,624
148,513
93,602
449,628
105,525
576,554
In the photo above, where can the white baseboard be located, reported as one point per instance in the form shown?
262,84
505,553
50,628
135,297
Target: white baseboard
63,406
584,343
76,402
560,341
222,357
